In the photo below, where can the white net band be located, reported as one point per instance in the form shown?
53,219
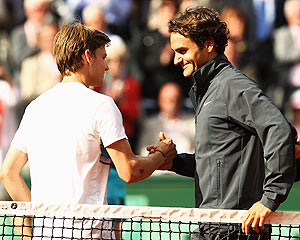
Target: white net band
163,213
40,221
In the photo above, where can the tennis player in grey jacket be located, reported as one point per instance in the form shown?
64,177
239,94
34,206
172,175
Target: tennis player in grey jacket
244,146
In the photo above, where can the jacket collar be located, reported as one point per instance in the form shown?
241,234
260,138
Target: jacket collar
209,70
203,76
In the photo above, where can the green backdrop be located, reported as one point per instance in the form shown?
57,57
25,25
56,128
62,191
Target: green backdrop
170,190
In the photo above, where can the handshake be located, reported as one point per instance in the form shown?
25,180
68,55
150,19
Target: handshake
166,148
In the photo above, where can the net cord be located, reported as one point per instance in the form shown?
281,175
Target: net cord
119,212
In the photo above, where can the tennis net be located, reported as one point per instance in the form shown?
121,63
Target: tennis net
20,220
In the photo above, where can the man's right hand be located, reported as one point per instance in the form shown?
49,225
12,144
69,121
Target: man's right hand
169,150
152,148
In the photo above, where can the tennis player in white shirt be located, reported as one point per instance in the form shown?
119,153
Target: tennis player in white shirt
61,132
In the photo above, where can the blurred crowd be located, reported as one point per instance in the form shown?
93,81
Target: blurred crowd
148,88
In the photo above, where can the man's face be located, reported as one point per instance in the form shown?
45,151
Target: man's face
187,54
170,100
99,66
116,65
46,38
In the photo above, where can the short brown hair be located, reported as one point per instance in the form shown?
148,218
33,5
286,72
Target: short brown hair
200,24
72,41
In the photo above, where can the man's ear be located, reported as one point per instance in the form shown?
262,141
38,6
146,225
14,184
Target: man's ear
87,56
210,44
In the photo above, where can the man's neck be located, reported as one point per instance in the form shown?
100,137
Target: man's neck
75,77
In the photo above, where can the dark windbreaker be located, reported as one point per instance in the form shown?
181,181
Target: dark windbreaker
244,146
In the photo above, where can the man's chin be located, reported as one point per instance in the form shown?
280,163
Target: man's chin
187,74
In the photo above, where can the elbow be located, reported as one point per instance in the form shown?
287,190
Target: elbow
128,180
7,175
3,175
129,174
132,179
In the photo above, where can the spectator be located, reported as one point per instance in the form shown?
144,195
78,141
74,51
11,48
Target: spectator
263,17
94,16
171,120
24,37
61,10
117,14
39,72
237,50
236,22
5,16
154,58
287,37
287,53
122,87
11,14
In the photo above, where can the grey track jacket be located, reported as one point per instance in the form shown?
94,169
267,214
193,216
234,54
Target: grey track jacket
244,146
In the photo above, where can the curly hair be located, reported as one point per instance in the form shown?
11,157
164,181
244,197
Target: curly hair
200,24
72,41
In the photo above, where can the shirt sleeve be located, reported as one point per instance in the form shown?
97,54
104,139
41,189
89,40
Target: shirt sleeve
110,123
184,164
252,108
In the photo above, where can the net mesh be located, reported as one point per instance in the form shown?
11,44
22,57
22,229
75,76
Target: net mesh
20,220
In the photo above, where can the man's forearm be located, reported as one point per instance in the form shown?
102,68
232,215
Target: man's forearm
10,175
132,168
17,188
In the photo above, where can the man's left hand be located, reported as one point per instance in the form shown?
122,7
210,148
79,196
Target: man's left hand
255,217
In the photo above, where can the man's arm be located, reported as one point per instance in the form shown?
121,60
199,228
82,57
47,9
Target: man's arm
253,110
260,210
10,175
132,168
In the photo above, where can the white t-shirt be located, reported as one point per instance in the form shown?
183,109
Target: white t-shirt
61,131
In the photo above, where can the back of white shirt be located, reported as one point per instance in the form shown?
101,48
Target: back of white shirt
61,131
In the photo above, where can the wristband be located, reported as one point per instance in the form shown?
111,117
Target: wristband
156,150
